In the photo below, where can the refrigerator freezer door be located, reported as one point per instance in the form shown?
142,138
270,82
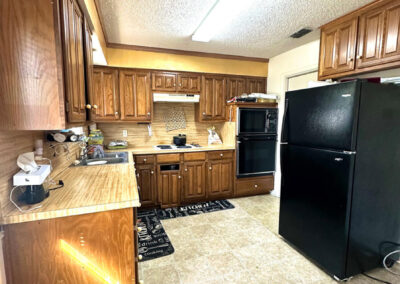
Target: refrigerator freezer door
315,204
323,117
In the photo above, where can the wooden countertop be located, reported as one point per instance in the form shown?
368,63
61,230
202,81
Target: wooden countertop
87,189
152,150
90,189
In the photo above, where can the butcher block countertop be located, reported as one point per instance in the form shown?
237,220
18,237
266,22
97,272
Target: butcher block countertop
87,189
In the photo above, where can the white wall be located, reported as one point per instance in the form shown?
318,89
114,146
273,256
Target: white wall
293,62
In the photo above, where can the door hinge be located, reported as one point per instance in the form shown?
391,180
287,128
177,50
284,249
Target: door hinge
67,106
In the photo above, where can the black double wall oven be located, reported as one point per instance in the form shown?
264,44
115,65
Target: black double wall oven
256,140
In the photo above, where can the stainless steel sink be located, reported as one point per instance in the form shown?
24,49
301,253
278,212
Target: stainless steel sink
109,158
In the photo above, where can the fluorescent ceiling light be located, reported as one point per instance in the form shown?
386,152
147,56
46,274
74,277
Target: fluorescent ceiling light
220,15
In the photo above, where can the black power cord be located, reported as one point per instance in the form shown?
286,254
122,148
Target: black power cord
376,279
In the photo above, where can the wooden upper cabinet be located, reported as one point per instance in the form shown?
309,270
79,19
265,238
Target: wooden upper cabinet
135,96
235,87
338,47
255,85
74,64
31,77
105,104
89,65
164,81
189,83
212,99
379,40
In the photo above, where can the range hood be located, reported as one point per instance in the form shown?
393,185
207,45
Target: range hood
176,98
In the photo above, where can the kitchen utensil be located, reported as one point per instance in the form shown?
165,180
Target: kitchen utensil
180,140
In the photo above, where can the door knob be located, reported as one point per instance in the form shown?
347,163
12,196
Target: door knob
204,113
179,177
116,113
359,56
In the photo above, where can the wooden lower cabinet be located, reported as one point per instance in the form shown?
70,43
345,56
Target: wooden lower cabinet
194,181
169,184
220,178
254,185
70,249
146,181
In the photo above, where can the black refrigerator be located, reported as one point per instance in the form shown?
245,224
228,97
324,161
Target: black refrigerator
340,163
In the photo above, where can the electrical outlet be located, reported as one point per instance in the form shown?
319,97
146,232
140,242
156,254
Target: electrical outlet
125,133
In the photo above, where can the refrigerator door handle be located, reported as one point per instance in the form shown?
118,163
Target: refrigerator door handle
349,152
284,133
284,143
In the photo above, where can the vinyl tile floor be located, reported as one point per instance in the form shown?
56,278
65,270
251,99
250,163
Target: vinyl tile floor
239,245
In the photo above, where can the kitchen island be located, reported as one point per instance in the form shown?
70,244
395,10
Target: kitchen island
84,232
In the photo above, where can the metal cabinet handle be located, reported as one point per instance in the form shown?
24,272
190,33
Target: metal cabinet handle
137,175
145,160
148,114
116,113
88,106
152,172
210,168
255,185
95,106
179,177
359,57
204,114
140,257
186,170
221,155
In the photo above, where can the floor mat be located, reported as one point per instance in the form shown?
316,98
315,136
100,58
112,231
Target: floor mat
152,239
194,209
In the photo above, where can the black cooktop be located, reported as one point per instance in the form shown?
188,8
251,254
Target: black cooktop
164,147
183,147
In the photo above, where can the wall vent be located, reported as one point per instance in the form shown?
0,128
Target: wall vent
301,33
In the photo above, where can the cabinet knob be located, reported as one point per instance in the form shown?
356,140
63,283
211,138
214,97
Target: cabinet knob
204,113
88,106
137,175
148,114
152,172
185,170
179,177
139,229
140,257
359,57
221,155
116,113
180,84
255,185
210,168
145,160
95,106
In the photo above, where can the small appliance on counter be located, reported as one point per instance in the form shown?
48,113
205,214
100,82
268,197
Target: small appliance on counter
180,140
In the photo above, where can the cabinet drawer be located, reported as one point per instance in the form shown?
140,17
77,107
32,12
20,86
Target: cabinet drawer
216,155
145,159
257,185
197,156
167,158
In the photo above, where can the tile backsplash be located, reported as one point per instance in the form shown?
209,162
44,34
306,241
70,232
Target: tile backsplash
138,134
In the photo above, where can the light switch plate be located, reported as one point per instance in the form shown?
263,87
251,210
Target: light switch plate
125,133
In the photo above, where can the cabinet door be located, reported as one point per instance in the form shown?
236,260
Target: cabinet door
89,64
145,177
105,95
135,96
194,181
219,99
206,98
189,83
74,61
235,87
391,42
338,48
370,38
164,81
169,186
220,178
255,85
